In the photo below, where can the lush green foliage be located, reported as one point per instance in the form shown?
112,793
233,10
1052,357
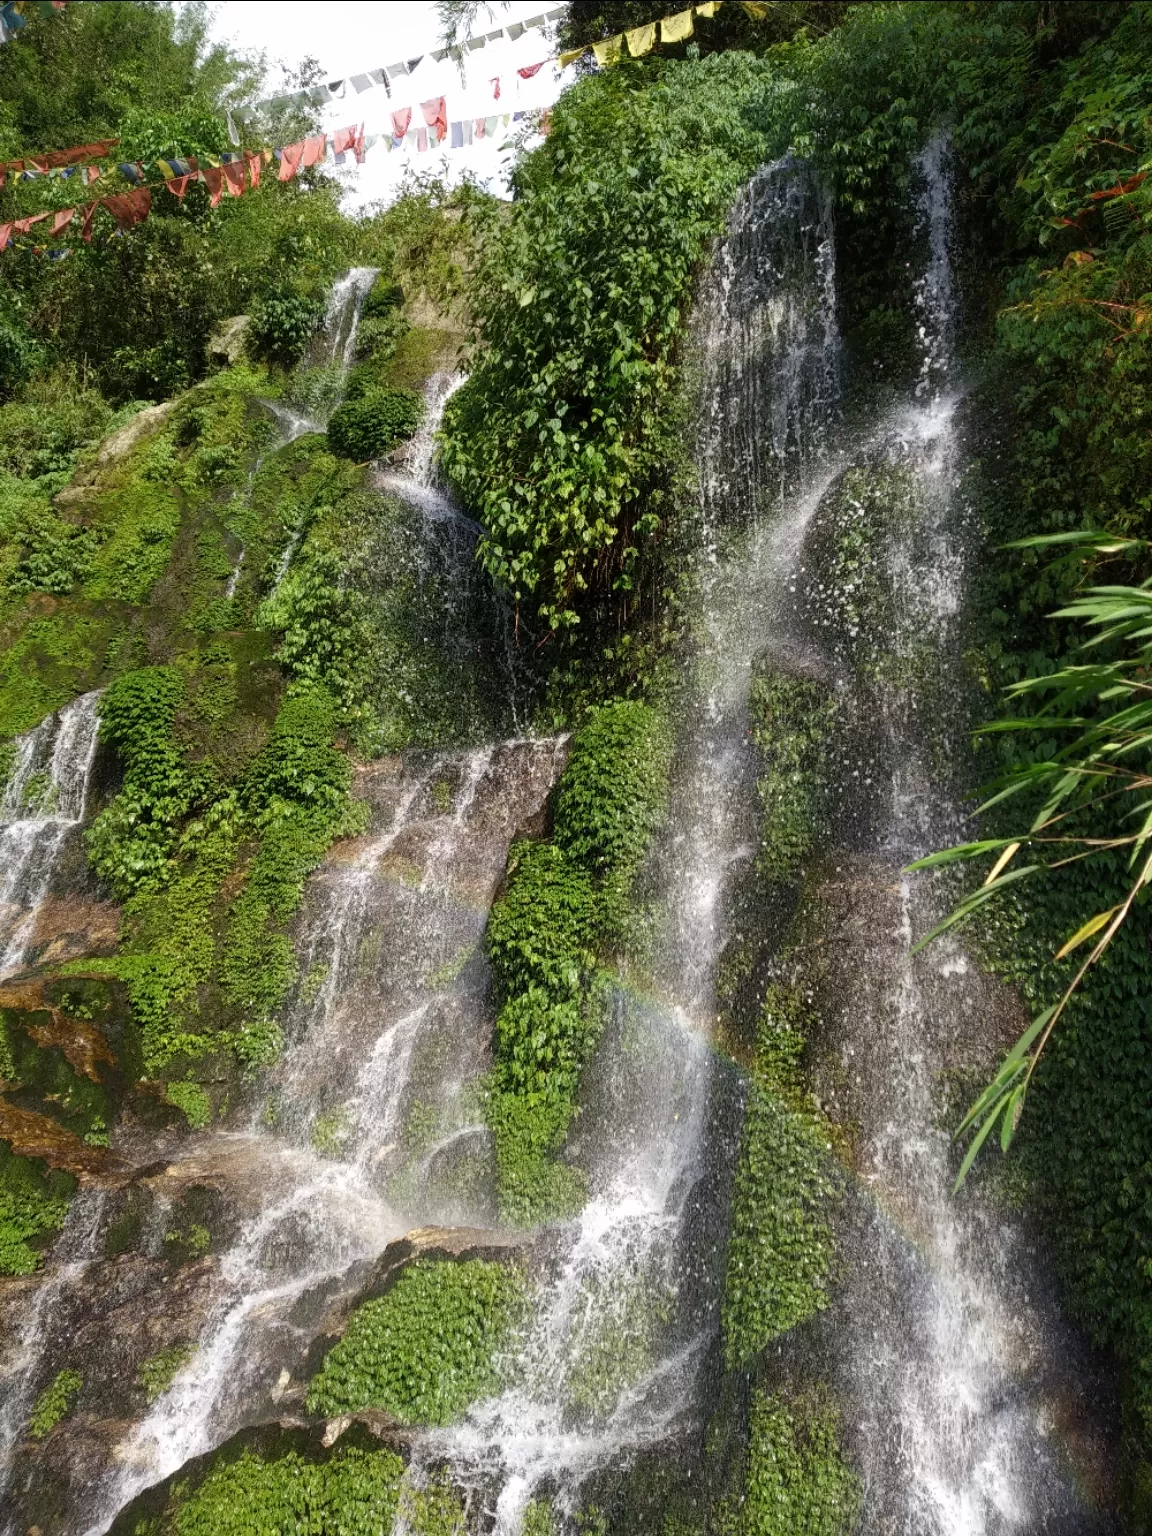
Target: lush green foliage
566,900
281,326
796,1483
429,1347
781,1241
33,1205
561,438
159,1371
54,1403
792,717
374,422
354,1493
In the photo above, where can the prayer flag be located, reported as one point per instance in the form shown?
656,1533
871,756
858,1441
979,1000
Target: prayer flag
179,185
5,235
422,140
709,8
129,208
608,49
350,139
314,150
531,69
234,178
400,121
570,57
86,227
495,84
397,69
213,179
490,126
436,116
63,219
255,162
361,83
290,157
22,226
676,29
641,40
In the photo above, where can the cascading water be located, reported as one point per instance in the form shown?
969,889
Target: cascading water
44,803
935,1339
386,990
611,1361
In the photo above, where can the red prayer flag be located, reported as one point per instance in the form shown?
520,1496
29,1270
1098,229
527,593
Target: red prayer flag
400,121
129,208
179,185
314,150
22,226
63,219
436,115
254,159
495,81
531,69
213,178
89,214
5,235
234,177
290,157
349,138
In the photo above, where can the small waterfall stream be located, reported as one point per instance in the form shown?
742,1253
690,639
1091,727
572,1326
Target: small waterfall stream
43,805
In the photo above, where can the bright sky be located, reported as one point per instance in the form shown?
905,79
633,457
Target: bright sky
351,36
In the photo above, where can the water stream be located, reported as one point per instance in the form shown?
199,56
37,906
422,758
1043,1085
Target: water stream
43,805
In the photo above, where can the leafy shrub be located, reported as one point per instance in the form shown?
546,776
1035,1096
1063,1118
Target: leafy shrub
32,1205
797,1482
157,1373
281,325
355,1492
130,845
780,1240
54,1403
428,1348
540,931
191,1098
374,422
562,436
613,790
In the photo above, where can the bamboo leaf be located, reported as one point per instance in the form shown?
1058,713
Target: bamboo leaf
1005,858
1093,925
978,1141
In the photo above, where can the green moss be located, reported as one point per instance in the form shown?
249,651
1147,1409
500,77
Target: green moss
329,1132
54,1403
33,1204
781,1241
797,1482
435,1509
191,1098
374,422
428,1348
355,1492
564,900
157,1373
792,722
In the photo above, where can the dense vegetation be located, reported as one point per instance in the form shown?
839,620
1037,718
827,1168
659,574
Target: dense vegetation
567,904
433,1345
251,612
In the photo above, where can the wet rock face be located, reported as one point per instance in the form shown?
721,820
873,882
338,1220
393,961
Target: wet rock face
108,1321
288,1205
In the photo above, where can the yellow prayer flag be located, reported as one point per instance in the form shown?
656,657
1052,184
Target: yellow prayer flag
757,9
675,29
641,40
608,50
570,57
709,8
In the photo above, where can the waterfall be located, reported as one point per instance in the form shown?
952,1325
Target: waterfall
937,1332
329,357
631,1278
43,804
321,1162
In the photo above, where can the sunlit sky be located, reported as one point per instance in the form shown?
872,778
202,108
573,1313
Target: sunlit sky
348,37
